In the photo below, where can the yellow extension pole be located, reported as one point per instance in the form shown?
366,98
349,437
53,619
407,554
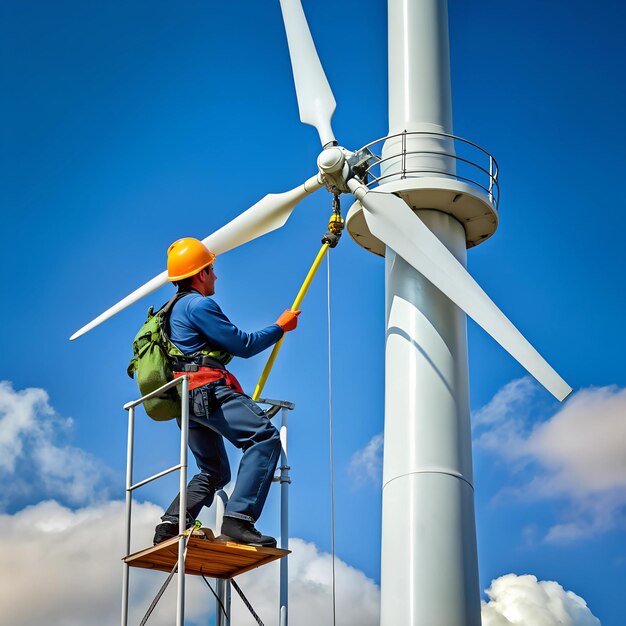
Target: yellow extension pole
294,307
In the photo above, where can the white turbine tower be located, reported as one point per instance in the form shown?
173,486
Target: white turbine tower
429,566
422,217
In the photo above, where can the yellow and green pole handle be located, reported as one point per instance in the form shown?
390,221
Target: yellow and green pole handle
335,226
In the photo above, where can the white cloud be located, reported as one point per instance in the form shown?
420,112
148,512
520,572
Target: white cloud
69,562
19,413
72,557
584,444
31,456
63,568
510,402
579,452
366,465
310,591
523,600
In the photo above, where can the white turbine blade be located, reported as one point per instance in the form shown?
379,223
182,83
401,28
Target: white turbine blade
315,98
394,223
138,294
265,216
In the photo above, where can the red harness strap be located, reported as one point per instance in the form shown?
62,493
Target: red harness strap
206,375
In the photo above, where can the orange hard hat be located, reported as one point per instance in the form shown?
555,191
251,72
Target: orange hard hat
187,257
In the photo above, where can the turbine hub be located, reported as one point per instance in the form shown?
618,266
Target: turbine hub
334,169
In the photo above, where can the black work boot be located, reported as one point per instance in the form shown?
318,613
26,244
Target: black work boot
164,531
242,531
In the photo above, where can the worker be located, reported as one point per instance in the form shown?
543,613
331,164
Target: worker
218,407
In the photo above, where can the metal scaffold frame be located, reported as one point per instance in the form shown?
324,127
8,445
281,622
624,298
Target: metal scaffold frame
223,586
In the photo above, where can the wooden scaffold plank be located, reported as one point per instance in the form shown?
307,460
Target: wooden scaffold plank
205,556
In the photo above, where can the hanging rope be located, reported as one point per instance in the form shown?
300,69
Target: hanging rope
330,430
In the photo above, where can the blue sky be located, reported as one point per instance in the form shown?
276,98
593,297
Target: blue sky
128,125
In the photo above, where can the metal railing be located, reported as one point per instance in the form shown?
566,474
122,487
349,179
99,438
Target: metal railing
221,498
130,487
464,161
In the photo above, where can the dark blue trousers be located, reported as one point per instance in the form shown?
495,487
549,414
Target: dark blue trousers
216,412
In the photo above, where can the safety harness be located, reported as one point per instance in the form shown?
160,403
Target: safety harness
202,370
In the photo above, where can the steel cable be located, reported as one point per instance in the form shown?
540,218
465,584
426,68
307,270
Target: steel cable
330,438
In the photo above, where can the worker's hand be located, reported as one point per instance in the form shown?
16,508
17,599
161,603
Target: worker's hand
288,320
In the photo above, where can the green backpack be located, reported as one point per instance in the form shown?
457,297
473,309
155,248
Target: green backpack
150,364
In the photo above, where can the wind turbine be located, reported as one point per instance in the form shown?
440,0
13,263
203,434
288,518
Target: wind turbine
422,217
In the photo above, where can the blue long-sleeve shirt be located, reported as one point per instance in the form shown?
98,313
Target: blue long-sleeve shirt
198,323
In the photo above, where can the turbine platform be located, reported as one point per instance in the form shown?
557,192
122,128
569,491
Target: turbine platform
431,170
205,556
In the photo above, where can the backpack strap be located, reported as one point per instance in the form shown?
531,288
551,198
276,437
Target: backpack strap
220,357
167,308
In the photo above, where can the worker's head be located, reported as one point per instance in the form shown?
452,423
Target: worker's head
190,266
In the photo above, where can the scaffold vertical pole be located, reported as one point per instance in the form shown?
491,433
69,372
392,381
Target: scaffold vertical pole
182,510
285,480
222,616
129,504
